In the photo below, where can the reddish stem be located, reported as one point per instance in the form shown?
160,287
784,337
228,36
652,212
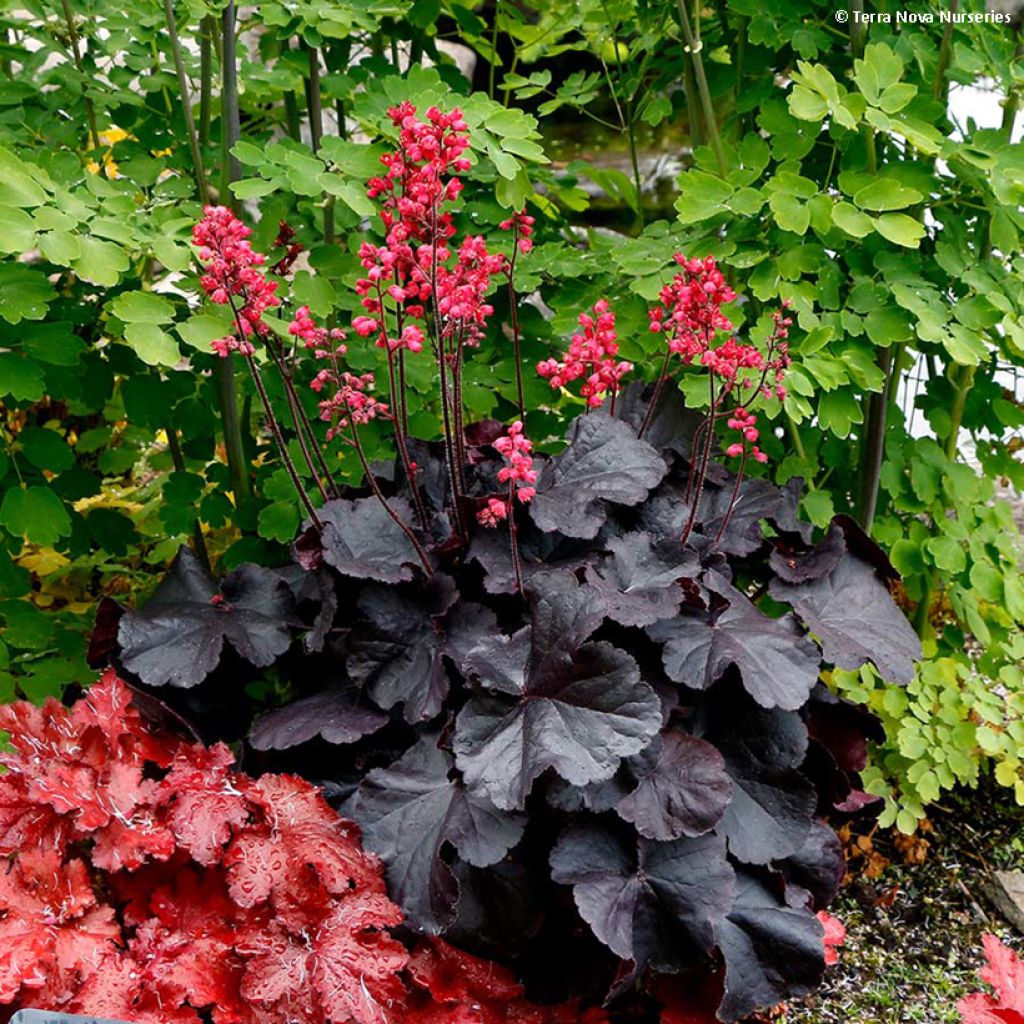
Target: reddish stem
512,530
379,495
514,313
732,500
662,376
275,427
705,459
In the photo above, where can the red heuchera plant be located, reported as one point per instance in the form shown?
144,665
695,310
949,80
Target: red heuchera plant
1005,973
148,880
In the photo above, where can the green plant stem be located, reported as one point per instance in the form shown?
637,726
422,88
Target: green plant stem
741,59
492,64
178,460
873,446
962,380
186,104
234,444
207,30
316,131
693,49
291,105
230,118
940,87
76,54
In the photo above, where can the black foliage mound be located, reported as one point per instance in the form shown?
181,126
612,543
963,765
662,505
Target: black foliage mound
618,773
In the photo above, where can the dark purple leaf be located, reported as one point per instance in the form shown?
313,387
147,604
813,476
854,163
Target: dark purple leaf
638,583
653,903
682,788
335,716
538,552
672,425
178,635
778,665
395,647
574,707
772,952
756,500
772,807
410,811
314,588
786,516
818,866
603,462
793,566
360,539
855,619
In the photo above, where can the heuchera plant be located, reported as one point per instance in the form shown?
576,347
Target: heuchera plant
574,702
149,881
1004,972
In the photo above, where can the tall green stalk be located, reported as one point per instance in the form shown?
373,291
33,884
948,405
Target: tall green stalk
230,117
178,461
186,105
231,171
207,30
316,131
76,54
691,36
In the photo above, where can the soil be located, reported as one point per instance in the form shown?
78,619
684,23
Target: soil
913,944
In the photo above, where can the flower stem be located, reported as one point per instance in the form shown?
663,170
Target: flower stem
514,538
705,459
400,443
732,500
659,385
275,427
514,314
379,495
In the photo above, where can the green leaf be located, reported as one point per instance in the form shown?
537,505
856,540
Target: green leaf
851,220
60,247
790,213
19,185
24,294
315,292
946,553
17,230
53,342
279,521
20,378
901,229
46,449
112,530
101,262
702,195
819,508
888,324
253,188
886,194
351,193
838,411
142,308
152,344
202,328
36,513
